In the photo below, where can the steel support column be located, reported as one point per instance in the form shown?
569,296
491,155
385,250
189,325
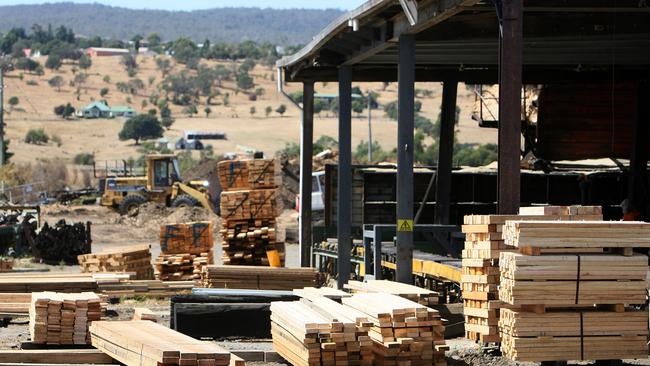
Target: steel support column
638,178
306,156
510,71
446,151
344,213
405,121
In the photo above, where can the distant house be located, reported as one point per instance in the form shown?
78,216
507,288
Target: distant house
95,110
102,52
122,111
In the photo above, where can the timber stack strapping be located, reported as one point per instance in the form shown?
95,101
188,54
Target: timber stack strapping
248,211
480,265
569,290
56,318
185,249
136,259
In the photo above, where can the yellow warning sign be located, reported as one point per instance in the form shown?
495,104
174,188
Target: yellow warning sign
404,225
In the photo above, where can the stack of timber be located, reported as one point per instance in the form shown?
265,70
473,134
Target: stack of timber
258,278
191,237
403,332
480,265
15,303
6,264
184,250
144,314
181,267
413,293
145,343
247,242
568,289
246,174
248,204
308,335
317,292
136,259
56,318
248,212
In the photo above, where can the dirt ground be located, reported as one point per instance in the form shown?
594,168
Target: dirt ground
110,230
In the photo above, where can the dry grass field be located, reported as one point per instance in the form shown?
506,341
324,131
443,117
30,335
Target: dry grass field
99,136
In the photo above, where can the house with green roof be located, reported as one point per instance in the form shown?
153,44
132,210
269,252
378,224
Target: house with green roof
94,110
102,110
122,111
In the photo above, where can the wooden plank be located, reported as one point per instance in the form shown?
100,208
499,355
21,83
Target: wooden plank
78,356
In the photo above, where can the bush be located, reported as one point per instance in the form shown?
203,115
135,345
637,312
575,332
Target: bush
36,137
281,109
53,62
84,159
103,92
57,140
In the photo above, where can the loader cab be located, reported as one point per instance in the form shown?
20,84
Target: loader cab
163,172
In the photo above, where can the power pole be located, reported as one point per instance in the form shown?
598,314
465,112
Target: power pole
369,128
2,117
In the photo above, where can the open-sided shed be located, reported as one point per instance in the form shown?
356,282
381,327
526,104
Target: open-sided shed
509,42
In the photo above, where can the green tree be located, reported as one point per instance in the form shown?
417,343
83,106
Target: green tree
267,111
53,62
141,127
183,49
164,65
13,102
129,62
207,111
153,39
281,110
26,64
107,79
190,110
84,159
85,62
36,137
252,111
358,106
103,92
68,111
56,82
167,122
245,81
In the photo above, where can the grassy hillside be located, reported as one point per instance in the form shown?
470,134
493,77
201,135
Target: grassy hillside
278,26
37,100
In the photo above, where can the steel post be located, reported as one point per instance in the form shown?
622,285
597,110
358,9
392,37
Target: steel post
446,151
344,213
306,156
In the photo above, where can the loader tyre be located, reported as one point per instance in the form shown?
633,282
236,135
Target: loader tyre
185,200
130,202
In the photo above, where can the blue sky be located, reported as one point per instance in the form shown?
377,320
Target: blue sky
205,4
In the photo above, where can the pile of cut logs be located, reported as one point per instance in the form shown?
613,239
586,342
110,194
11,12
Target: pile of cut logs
248,212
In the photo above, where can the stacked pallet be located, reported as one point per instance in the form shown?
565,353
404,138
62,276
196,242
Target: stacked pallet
568,289
145,343
480,266
181,267
403,332
247,242
258,278
413,293
248,212
245,174
56,318
135,259
184,249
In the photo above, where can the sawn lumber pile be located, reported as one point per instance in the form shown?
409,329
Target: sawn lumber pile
307,334
6,264
145,343
246,174
15,303
56,318
136,259
247,242
403,332
568,288
480,271
248,213
258,278
181,267
184,250
413,293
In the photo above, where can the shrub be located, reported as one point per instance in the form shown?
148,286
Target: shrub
84,159
36,137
